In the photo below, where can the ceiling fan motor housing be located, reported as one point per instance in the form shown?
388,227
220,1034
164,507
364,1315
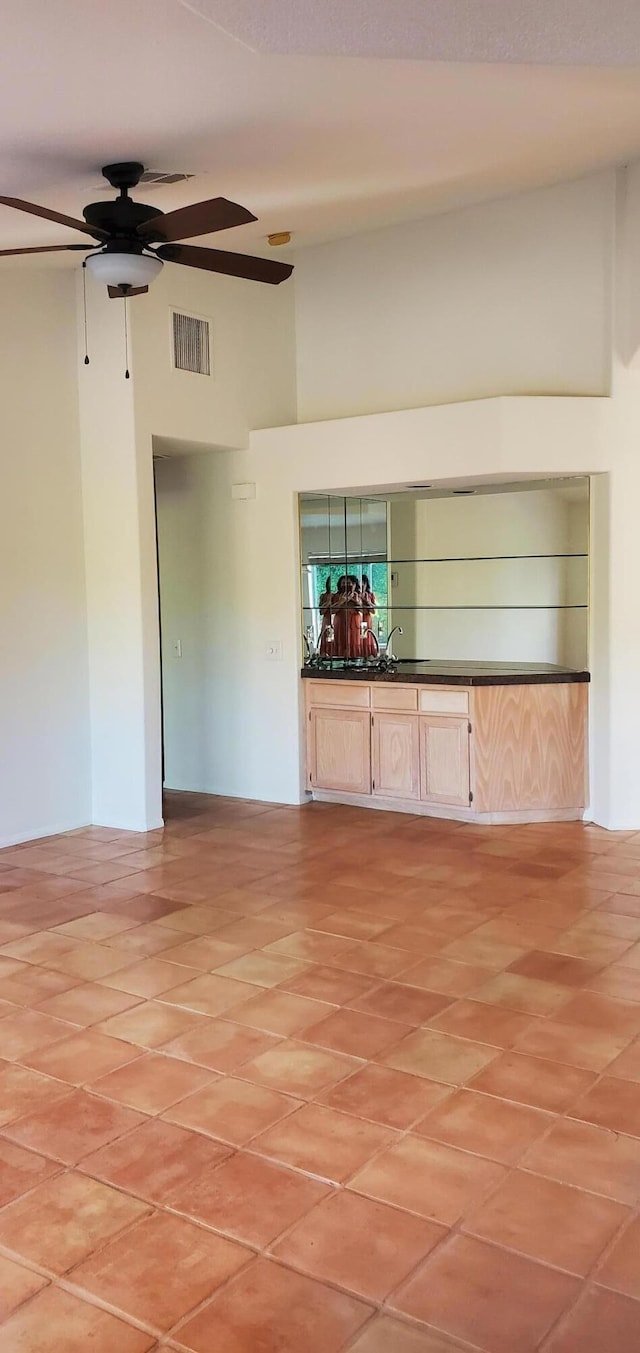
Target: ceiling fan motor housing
121,217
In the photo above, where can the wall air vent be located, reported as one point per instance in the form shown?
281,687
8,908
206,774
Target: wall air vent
191,343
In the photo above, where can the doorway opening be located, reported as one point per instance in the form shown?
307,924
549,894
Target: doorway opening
191,612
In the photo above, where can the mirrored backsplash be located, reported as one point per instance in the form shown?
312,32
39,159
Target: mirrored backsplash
499,575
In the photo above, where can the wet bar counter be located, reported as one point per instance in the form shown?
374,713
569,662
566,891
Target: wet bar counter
450,673
480,742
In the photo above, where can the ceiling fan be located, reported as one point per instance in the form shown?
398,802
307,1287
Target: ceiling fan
133,240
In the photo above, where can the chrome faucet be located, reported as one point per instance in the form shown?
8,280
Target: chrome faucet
312,653
370,634
388,651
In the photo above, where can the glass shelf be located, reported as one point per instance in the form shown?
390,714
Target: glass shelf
524,606
357,561
501,583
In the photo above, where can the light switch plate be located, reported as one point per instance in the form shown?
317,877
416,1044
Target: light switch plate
273,650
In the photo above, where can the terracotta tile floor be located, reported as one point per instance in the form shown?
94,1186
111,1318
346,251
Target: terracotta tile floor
260,1090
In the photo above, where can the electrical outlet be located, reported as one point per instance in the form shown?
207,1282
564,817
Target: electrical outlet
273,650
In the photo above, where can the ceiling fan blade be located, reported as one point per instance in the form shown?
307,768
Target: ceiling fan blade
46,249
122,292
232,265
34,210
201,218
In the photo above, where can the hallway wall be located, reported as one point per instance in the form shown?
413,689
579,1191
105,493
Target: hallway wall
252,382
181,559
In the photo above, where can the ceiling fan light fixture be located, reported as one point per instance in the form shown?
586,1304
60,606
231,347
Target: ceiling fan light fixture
134,239
116,269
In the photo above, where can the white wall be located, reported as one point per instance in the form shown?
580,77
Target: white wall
44,713
218,581
535,523
117,489
616,623
510,297
253,358
182,524
253,383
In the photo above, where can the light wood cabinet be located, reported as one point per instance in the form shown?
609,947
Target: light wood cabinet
444,760
340,750
514,753
530,747
395,754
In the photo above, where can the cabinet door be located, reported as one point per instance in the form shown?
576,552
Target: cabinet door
395,748
340,750
444,760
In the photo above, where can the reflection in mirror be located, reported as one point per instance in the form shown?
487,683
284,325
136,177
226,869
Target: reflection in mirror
500,574
344,574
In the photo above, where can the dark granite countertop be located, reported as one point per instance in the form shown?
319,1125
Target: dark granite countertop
439,673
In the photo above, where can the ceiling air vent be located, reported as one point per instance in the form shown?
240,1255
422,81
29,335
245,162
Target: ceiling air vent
160,176
191,345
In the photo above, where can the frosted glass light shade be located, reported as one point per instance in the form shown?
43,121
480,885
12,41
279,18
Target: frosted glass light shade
124,270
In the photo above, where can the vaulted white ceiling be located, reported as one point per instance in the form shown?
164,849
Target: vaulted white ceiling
573,32
325,117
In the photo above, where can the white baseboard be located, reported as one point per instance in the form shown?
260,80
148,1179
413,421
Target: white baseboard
142,828
217,792
60,828
36,833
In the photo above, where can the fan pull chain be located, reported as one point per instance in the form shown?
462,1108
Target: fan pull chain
84,302
126,342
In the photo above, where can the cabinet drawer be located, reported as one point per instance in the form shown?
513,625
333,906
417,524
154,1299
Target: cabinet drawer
435,701
341,694
395,697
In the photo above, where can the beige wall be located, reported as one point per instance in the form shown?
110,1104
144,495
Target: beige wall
510,297
44,704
